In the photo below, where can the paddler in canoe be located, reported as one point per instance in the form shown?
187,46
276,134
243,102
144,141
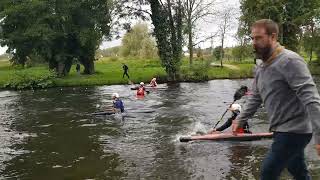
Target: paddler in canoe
235,110
117,104
153,82
141,89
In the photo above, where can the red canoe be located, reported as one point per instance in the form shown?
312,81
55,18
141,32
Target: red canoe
228,137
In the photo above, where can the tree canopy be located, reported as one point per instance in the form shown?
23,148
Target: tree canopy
291,15
59,31
139,42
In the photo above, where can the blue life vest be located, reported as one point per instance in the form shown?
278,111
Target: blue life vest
118,104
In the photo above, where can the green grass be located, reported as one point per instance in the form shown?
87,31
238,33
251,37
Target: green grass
5,71
109,71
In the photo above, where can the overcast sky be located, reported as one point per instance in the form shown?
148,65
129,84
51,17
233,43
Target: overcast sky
205,28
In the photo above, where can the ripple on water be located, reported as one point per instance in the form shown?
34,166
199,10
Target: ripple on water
59,135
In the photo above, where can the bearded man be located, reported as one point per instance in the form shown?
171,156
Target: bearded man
284,85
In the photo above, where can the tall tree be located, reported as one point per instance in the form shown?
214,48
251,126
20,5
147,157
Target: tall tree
139,42
227,17
291,15
167,19
195,10
57,30
311,39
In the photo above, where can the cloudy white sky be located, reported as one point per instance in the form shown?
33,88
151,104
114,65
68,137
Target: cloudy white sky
204,29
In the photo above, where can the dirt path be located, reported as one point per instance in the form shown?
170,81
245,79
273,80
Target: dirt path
226,65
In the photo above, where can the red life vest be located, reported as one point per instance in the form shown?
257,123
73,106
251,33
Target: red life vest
240,130
140,91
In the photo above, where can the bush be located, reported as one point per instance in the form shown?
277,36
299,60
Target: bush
197,72
114,58
24,80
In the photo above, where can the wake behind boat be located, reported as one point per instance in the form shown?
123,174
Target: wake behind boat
228,136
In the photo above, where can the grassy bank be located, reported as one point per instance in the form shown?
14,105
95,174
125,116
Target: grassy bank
109,71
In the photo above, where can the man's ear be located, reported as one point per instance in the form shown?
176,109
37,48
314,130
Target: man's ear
274,36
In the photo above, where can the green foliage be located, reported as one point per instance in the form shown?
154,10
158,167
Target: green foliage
138,42
114,58
242,52
26,80
56,31
167,20
217,53
197,72
291,15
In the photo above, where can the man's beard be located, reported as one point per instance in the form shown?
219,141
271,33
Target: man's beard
263,53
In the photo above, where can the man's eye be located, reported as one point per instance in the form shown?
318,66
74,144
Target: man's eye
256,38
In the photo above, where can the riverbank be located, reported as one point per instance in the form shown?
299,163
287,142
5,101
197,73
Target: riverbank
109,72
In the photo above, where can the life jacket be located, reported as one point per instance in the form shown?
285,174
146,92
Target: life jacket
240,130
244,130
140,91
118,104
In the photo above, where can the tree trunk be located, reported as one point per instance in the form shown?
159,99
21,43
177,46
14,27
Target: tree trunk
67,67
88,67
221,50
190,42
60,69
290,41
222,39
311,49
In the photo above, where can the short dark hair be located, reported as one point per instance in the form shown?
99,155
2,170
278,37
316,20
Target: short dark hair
269,25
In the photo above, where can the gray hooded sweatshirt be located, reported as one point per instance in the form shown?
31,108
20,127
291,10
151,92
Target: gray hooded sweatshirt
289,95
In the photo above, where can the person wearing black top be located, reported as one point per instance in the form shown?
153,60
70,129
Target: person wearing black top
125,71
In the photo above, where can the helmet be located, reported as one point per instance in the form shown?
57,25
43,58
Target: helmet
154,79
235,107
244,88
142,83
116,95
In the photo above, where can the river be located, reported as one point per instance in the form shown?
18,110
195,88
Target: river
50,134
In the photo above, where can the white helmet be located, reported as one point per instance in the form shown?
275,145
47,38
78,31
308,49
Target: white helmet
142,83
235,107
154,79
115,95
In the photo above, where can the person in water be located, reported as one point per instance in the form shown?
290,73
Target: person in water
235,110
117,103
141,89
153,82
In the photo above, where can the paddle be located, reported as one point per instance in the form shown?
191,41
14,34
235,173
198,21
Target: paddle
237,95
223,115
